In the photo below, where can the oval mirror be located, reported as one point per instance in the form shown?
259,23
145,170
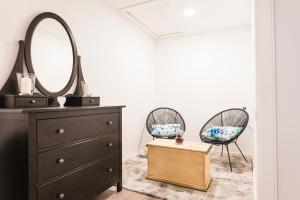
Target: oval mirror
51,54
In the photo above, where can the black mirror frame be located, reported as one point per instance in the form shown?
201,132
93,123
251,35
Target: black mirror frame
28,40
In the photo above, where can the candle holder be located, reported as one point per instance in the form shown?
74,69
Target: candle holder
179,138
26,83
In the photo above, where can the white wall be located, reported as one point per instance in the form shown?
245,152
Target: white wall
265,165
287,41
117,57
200,75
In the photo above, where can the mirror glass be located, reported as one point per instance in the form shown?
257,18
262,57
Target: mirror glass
52,55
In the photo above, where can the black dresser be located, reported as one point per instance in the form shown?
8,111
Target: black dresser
60,153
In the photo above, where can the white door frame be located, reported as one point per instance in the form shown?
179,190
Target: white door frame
265,166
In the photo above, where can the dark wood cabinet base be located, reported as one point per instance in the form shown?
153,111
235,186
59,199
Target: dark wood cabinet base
77,163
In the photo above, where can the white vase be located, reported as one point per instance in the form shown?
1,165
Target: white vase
61,101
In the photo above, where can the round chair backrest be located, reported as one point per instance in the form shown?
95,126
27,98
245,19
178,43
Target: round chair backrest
232,117
164,116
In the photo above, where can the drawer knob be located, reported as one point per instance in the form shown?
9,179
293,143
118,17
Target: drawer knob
60,131
109,122
61,196
32,101
92,100
110,170
110,144
60,161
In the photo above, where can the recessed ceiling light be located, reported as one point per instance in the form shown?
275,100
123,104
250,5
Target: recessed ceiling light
188,12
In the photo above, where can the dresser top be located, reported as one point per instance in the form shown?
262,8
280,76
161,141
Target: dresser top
56,109
186,145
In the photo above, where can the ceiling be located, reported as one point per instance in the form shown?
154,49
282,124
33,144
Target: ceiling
164,18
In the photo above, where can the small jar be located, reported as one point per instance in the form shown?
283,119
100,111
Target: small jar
179,139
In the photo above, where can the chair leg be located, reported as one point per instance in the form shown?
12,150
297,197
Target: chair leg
241,151
222,151
229,157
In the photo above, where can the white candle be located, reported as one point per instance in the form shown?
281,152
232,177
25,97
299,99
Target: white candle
26,85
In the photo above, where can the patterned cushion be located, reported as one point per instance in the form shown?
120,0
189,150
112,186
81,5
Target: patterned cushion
221,134
166,130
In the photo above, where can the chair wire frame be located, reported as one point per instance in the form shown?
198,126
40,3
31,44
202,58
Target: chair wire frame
164,115
232,117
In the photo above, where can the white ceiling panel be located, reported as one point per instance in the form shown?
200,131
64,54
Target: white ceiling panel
165,17
155,17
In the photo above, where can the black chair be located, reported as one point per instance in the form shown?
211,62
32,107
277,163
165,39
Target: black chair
232,117
164,116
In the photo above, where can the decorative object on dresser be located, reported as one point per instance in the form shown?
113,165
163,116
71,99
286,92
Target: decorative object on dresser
26,83
225,128
50,53
66,153
186,164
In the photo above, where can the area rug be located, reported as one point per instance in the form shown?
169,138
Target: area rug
226,185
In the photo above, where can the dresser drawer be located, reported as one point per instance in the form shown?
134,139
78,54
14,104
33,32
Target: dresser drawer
85,184
30,102
54,162
51,132
82,101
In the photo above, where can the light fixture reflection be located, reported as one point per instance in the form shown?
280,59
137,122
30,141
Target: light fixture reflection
189,12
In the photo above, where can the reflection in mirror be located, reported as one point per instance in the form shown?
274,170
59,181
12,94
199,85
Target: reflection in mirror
52,55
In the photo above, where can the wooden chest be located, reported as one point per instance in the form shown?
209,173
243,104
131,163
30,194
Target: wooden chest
60,153
186,164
